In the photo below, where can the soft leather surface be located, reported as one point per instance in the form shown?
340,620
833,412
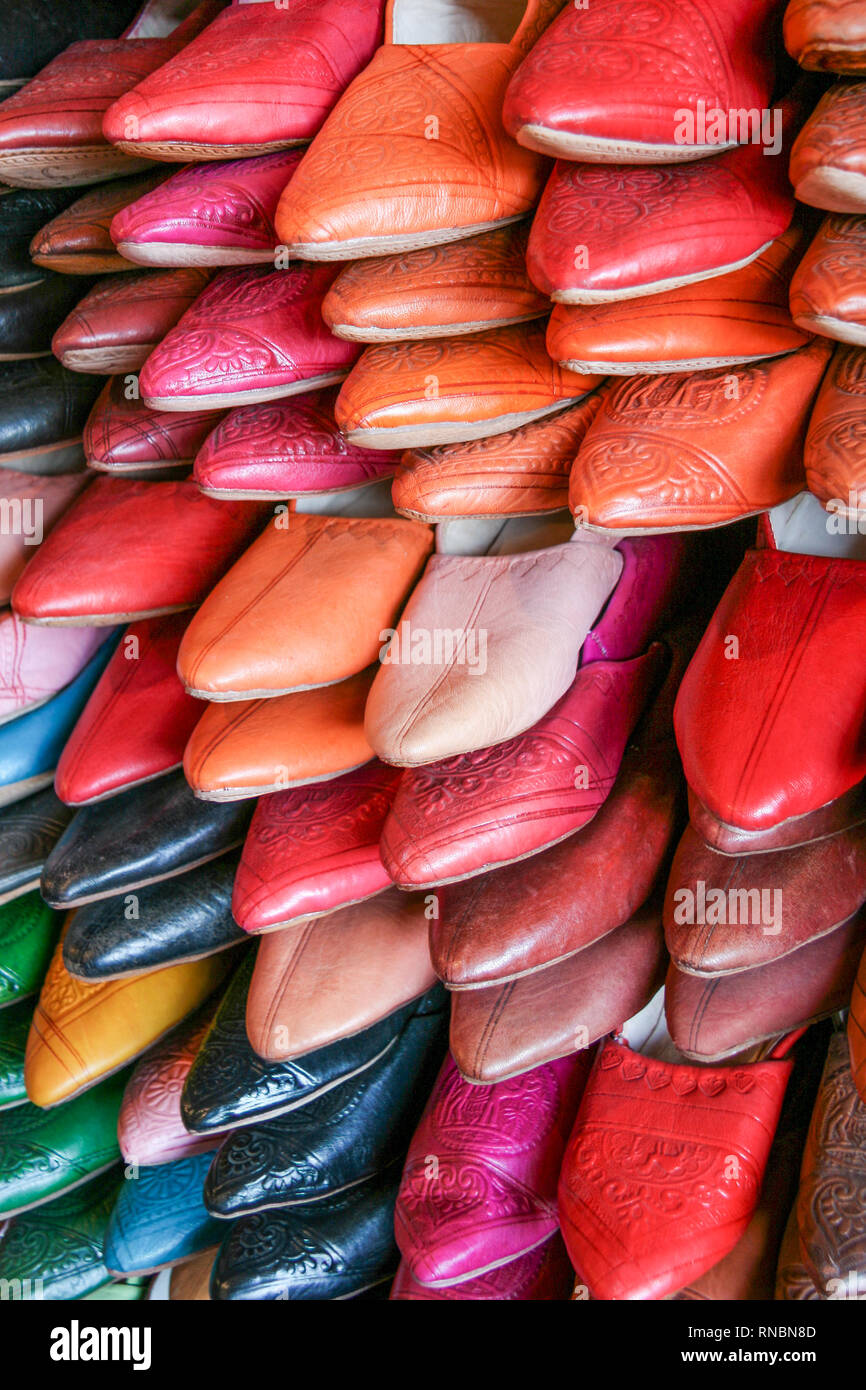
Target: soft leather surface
491,1195
835,453
30,314
230,86
826,35
34,33
142,836
37,663
123,434
23,211
28,932
420,713
14,1028
343,1137
335,976
260,631
337,1248
41,403
459,287
82,1032
118,323
43,500
45,1152
29,829
828,288
286,449
542,1275
61,1243
230,1085
664,1169
131,549
314,849
430,393
160,1217
255,333
77,241
717,1017
827,168
183,919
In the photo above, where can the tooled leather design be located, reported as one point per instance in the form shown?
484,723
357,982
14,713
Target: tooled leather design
830,1211
29,830
831,278
826,35
83,227
650,473
127,431
330,815
634,49
61,1241
676,402
250,322
482,174
641,1200
832,137
31,1143
21,921
151,1102
181,285
835,450
585,199
295,431
235,202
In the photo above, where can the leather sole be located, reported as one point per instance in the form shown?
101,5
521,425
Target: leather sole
28,709
232,697
435,518
304,917
79,1182
843,813
19,892
22,356
144,883
168,469
835,190
453,432
246,793
65,166
596,149
298,1202
157,1269
107,619
482,1269
66,456
693,364
225,400
16,791
351,334
108,360
87,263
840,330
183,151
665,527
149,969
170,255
125,787
357,248
261,495
674,282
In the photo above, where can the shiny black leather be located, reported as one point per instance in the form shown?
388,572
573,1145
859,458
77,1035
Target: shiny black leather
29,830
29,315
24,212
32,32
344,1137
42,402
142,836
336,1248
183,919
229,1085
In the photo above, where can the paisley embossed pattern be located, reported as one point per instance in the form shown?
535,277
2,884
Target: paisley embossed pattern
835,450
149,1126
314,849
663,1169
543,1274
61,1245
704,450
160,1217
828,288
828,167
479,1183
254,334
286,449
831,1218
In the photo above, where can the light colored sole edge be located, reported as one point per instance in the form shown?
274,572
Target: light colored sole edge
476,1273
741,969
840,330
40,1202
834,190
433,520
107,361
304,917
127,786
247,793
452,432
694,364
145,882
182,151
104,619
278,1206
17,791
20,891
171,255
254,495
225,400
351,334
624,532
272,1114
231,697
141,470
67,456
656,287
157,1269
596,149
64,167
358,248
85,264
37,704
23,356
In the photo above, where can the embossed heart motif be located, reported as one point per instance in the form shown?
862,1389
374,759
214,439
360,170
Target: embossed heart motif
712,1085
742,1082
657,1079
609,1059
633,1068
683,1083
